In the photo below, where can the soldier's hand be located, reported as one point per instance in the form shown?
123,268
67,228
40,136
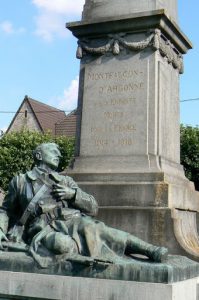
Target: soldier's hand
2,238
63,192
36,241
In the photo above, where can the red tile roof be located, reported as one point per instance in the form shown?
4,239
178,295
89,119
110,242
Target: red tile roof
68,125
46,115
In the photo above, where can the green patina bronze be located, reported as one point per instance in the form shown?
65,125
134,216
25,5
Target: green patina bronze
47,225
48,215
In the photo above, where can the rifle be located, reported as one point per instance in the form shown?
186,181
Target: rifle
15,246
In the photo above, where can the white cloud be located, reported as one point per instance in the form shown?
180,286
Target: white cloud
3,130
68,101
21,30
50,25
63,7
52,16
8,28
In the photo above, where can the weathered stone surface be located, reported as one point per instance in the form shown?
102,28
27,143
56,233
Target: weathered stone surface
138,22
113,89
177,268
128,146
143,204
35,286
119,112
96,9
122,121
140,189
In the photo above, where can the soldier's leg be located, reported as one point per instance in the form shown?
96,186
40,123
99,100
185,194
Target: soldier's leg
135,245
97,233
121,241
59,243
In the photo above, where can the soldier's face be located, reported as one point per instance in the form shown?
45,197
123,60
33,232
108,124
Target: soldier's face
51,156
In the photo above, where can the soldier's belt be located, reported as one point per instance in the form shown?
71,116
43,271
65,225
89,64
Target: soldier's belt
69,213
30,209
58,213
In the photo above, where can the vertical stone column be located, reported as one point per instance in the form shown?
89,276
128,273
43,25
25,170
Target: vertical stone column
128,143
98,9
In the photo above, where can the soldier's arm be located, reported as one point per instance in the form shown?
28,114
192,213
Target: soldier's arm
82,201
8,205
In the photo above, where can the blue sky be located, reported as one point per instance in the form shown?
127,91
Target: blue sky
37,55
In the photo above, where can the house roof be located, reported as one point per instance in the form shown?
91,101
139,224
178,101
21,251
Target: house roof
68,125
45,115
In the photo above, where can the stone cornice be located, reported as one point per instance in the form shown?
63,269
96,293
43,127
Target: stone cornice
138,22
116,43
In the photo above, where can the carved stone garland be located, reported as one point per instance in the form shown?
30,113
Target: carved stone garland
155,40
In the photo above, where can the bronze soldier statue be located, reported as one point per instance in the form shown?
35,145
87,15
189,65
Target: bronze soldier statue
46,210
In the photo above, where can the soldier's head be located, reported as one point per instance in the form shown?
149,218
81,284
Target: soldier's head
47,154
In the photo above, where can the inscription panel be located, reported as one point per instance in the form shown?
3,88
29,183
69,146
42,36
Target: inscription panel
114,119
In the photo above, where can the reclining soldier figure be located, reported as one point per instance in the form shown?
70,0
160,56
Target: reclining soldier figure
45,209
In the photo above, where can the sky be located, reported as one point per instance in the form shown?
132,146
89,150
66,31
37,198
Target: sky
38,56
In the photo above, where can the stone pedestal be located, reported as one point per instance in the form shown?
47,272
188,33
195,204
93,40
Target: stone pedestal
128,138
76,279
36,286
135,268
96,9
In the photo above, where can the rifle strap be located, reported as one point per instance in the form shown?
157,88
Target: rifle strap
30,209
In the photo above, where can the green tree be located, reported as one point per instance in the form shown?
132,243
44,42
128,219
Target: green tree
189,145
16,152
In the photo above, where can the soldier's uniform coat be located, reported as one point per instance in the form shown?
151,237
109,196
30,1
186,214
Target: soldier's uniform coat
73,217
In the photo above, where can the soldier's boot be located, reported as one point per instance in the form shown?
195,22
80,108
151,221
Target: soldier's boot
135,245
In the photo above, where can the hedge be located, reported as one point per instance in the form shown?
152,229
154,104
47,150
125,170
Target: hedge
16,152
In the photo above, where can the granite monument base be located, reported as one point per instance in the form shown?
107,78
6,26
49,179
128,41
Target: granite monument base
128,133
157,207
36,286
135,268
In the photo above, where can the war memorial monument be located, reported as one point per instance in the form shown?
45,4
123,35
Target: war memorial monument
143,242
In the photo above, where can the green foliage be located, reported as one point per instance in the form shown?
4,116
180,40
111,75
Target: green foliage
16,152
189,144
